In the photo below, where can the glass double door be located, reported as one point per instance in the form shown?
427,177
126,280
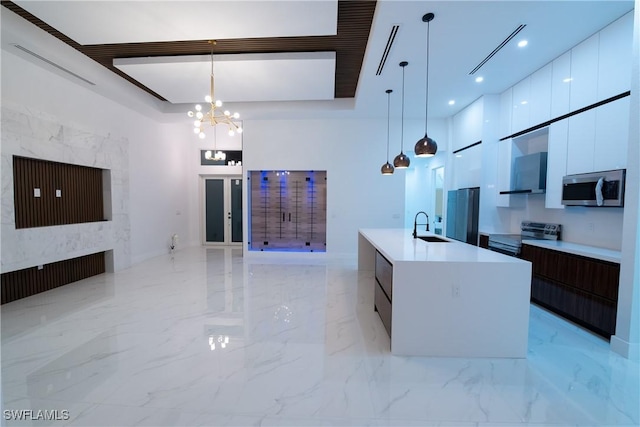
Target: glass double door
288,210
222,210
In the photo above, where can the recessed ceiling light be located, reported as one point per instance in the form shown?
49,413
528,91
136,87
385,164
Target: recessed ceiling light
567,80
452,102
524,102
479,79
523,43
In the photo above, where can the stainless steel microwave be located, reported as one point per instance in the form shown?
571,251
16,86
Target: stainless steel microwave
594,189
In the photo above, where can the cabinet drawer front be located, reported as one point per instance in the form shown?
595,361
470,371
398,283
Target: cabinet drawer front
384,274
383,306
594,313
587,274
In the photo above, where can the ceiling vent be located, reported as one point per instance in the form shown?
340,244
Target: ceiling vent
53,64
387,48
497,49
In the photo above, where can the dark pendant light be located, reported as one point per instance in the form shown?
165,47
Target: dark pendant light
387,168
426,147
402,161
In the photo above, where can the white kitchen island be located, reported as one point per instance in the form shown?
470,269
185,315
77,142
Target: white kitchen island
447,299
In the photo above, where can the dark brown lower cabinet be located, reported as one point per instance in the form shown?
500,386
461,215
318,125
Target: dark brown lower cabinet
383,290
581,289
484,241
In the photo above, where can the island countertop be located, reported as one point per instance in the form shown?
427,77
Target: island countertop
398,244
446,299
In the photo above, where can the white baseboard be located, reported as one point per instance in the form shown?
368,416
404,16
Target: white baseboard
630,350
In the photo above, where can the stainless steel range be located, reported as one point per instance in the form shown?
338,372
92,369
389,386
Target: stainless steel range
510,244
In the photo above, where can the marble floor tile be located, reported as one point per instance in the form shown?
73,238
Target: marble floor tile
208,338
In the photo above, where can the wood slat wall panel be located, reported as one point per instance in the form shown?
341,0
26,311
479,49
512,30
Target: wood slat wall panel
81,186
30,281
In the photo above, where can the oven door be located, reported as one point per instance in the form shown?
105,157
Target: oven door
504,248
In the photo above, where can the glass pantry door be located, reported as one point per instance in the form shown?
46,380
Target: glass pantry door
288,210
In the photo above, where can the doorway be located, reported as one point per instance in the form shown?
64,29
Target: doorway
222,210
438,203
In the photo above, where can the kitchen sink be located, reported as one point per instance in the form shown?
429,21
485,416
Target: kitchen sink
433,239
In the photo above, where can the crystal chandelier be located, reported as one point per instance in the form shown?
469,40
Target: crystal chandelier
213,116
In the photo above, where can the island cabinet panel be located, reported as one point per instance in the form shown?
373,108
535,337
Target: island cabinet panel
383,307
383,290
384,274
581,289
446,299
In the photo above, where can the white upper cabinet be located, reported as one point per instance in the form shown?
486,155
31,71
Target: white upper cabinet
581,142
520,119
556,163
506,107
531,100
584,73
503,181
560,85
540,96
612,135
467,125
467,168
615,52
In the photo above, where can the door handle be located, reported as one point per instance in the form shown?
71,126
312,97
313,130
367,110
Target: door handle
599,196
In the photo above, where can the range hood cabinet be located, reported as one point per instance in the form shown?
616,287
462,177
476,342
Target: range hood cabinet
529,174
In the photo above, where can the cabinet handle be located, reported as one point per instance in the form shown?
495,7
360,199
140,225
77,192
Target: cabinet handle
289,216
282,216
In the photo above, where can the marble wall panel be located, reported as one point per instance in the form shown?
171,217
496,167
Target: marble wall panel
30,133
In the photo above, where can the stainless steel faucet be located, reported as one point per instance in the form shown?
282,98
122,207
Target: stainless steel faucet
415,223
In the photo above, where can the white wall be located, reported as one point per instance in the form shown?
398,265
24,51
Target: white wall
352,152
153,168
160,179
601,227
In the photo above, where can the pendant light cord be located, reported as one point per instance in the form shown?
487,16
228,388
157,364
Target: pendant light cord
388,120
402,114
426,106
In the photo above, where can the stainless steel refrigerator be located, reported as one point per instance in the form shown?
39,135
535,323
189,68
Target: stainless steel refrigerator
462,214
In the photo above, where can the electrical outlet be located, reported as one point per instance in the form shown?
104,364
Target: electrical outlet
455,290
591,227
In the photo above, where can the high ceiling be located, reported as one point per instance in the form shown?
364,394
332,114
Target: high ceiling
304,57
